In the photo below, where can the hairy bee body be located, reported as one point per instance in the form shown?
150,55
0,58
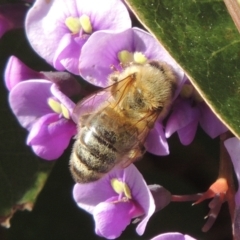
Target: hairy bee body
103,136
114,134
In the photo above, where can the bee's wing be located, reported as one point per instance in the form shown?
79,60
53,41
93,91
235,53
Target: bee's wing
101,99
91,104
137,151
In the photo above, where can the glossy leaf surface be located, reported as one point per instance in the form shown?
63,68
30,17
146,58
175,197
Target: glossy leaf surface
203,39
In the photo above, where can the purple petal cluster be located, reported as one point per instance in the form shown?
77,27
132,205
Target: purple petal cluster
41,108
115,199
58,29
189,110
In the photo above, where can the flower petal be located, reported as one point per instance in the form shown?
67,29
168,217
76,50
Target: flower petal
50,136
96,70
28,101
156,142
45,25
112,218
233,147
182,116
187,134
16,71
89,195
117,14
210,123
172,236
67,54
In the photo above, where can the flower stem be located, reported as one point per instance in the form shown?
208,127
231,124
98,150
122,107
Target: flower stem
186,198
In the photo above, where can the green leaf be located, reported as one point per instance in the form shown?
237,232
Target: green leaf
22,175
202,38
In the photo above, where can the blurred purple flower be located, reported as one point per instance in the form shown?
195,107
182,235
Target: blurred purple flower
233,147
58,29
115,199
12,16
41,108
172,236
190,109
116,49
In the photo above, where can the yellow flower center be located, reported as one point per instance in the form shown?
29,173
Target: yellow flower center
125,57
139,57
58,108
75,24
121,187
86,24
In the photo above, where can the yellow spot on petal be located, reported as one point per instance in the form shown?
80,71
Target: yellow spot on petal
139,57
65,112
85,23
121,187
54,105
73,24
125,56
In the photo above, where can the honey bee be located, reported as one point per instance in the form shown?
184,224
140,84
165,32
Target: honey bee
114,122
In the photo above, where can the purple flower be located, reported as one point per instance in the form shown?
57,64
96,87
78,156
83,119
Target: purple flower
42,109
190,109
173,236
116,49
111,49
12,16
115,199
233,147
16,72
58,29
